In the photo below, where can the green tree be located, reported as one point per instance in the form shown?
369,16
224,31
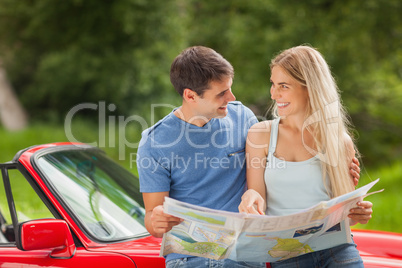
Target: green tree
59,54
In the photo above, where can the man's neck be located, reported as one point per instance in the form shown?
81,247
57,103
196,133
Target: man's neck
190,117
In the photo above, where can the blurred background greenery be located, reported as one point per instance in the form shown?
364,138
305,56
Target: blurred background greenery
60,54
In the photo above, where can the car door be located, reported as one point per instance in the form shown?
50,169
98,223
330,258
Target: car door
22,200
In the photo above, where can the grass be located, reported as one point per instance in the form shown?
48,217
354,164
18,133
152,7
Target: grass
387,206
12,142
387,215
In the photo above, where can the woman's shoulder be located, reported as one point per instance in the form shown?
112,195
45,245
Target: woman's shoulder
263,126
260,132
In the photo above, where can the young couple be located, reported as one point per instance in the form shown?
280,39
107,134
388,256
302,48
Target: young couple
215,135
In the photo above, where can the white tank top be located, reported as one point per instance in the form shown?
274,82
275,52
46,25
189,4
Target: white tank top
291,186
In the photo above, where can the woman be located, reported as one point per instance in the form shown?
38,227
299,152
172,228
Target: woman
302,157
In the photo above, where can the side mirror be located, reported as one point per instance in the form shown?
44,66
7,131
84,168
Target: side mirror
47,234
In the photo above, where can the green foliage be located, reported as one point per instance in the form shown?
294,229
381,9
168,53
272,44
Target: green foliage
59,54
12,142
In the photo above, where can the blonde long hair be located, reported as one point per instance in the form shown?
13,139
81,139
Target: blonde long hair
326,118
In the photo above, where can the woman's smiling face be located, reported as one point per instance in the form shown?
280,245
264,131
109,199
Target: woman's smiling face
290,96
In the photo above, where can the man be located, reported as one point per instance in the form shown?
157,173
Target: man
196,153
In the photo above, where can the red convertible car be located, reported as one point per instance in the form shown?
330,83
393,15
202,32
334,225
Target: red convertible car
69,205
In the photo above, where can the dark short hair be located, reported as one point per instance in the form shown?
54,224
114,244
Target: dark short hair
195,67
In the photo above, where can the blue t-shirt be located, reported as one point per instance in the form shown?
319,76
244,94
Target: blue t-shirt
204,166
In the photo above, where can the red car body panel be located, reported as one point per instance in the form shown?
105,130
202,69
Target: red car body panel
378,249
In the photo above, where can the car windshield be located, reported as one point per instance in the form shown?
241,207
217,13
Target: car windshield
102,195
